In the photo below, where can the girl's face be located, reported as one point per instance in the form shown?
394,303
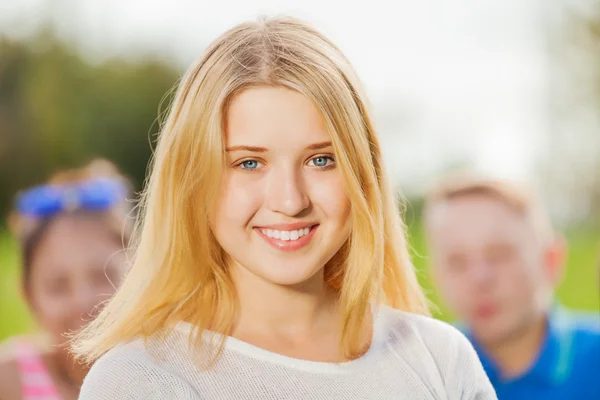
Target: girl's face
74,268
282,212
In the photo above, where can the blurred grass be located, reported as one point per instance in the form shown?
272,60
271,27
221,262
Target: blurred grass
14,316
579,290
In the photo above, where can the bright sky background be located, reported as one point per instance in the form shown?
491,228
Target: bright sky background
450,81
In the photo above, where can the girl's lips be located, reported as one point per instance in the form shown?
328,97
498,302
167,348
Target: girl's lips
288,227
288,245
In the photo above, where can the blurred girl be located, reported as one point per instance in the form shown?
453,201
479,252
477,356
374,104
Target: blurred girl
71,232
270,236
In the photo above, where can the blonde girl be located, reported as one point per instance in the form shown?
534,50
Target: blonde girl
71,232
270,261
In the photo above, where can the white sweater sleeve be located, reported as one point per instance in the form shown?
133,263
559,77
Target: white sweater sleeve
463,375
123,374
466,377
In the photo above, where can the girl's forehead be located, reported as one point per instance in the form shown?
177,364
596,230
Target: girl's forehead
270,115
76,241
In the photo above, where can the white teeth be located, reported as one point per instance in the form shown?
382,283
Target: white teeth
286,235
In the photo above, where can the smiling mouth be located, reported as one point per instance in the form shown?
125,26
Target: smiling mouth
287,239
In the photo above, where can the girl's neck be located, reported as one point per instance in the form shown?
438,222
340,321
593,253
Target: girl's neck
295,309
67,374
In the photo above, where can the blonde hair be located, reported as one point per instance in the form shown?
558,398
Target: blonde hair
179,269
517,197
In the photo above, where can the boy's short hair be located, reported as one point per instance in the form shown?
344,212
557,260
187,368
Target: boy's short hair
518,197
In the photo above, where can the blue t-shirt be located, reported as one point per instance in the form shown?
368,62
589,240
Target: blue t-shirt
567,366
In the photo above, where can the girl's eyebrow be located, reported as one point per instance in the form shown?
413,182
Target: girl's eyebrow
318,146
247,148
256,149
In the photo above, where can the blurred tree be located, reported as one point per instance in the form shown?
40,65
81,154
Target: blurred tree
572,164
57,110
592,33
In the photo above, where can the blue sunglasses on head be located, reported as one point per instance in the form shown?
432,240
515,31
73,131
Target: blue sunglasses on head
91,195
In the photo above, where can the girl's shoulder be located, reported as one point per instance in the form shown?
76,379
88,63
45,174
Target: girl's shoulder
436,351
422,329
10,382
10,352
138,369
38,342
130,362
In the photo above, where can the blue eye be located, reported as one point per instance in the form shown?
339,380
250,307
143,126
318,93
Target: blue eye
321,161
249,164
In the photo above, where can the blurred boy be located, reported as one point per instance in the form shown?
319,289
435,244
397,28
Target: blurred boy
497,261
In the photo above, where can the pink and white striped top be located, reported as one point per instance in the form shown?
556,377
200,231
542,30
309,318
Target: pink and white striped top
36,382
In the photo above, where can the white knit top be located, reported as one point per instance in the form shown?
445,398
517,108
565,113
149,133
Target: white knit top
410,357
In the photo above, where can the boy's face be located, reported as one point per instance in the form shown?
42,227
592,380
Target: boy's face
490,265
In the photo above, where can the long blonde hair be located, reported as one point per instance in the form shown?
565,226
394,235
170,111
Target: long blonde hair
179,270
